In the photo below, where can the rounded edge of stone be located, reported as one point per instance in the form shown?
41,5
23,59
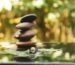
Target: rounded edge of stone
28,18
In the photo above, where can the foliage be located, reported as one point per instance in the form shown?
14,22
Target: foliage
52,16
53,55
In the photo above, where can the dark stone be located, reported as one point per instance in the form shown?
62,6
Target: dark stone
23,59
22,49
25,45
24,39
29,18
26,35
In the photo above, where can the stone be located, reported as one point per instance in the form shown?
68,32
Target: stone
29,18
25,36
23,59
24,26
24,45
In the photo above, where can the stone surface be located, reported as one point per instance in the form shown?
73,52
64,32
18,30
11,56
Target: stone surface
25,36
29,18
25,45
24,26
23,59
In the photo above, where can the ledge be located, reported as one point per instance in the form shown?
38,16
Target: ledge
41,63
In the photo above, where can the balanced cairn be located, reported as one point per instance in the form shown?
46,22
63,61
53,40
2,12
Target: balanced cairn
24,36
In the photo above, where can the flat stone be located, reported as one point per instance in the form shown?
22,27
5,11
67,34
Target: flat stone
24,39
22,49
26,35
29,18
29,43
25,45
24,25
22,59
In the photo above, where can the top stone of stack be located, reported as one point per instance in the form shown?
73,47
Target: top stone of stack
28,18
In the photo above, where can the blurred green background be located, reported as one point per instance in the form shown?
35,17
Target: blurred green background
55,26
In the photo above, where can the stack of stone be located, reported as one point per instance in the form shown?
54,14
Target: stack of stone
24,35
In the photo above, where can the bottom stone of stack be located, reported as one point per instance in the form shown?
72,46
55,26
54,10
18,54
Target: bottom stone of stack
22,59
